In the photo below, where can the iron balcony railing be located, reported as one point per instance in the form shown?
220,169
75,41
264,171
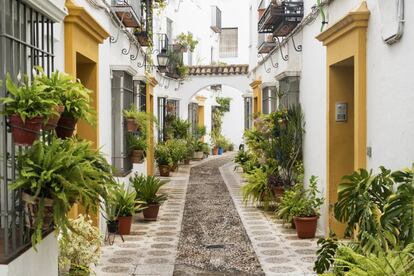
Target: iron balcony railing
265,43
128,11
280,18
26,40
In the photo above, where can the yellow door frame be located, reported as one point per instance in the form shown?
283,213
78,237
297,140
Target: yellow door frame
83,34
346,40
256,85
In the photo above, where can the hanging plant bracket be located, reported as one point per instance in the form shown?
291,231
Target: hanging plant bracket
284,57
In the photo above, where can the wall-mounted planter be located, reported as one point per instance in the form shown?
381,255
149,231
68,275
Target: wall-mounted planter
25,133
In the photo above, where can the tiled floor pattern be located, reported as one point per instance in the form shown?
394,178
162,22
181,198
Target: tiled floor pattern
279,250
151,247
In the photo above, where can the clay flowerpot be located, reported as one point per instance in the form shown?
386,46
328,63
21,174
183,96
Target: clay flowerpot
124,225
112,226
306,227
215,151
151,213
53,120
174,168
132,125
25,133
198,155
277,192
164,170
31,206
137,156
66,127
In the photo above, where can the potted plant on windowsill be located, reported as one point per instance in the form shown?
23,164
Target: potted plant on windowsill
130,116
163,158
137,146
77,101
63,173
306,210
147,188
127,206
26,106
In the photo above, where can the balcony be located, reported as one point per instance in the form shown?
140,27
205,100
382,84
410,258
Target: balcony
175,67
128,11
265,43
281,18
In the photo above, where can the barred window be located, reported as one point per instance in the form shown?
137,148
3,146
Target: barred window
269,99
228,42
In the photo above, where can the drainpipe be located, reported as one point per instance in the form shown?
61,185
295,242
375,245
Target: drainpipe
400,15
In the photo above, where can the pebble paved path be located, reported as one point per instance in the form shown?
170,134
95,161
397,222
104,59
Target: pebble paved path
213,240
204,229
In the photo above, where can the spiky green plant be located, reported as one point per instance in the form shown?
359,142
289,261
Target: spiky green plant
147,188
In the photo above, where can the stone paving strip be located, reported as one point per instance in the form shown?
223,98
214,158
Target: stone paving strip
278,248
152,246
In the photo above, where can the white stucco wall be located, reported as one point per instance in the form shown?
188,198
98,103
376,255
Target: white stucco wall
233,121
43,262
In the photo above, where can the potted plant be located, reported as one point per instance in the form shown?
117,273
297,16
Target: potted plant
198,150
111,214
256,189
306,210
186,42
54,86
178,151
276,185
62,172
81,248
163,158
190,151
77,102
127,206
26,106
147,188
137,145
206,150
130,116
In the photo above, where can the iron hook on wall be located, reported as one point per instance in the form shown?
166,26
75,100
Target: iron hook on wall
125,51
284,57
298,48
275,65
267,69
134,57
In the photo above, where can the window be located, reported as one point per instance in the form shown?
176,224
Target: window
123,96
141,89
228,42
248,112
289,86
193,116
169,29
161,104
269,99
26,40
173,108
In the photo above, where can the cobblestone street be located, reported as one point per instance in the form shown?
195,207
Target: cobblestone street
204,229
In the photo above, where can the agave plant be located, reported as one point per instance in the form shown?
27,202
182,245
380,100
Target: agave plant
147,188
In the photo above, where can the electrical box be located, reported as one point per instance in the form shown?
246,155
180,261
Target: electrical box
341,112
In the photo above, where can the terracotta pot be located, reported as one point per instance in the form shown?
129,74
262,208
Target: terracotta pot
53,120
124,225
164,170
151,213
277,192
31,206
66,127
215,151
198,155
112,226
25,133
137,156
132,125
174,168
306,227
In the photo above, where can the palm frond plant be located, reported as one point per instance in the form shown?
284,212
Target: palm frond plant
180,129
137,146
27,106
163,157
53,177
130,116
256,190
147,191
178,151
127,205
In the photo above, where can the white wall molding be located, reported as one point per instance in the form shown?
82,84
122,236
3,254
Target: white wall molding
50,8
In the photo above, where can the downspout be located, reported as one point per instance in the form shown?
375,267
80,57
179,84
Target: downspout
401,19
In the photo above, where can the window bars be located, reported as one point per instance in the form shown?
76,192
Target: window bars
26,40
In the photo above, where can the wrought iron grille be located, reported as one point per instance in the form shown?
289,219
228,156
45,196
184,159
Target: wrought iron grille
26,40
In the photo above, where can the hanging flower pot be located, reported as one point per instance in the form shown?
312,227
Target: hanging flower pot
306,227
31,207
164,170
137,156
124,225
25,133
53,120
66,127
151,213
132,125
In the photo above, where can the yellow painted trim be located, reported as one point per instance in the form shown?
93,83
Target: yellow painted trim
82,37
201,100
346,48
257,96
151,83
